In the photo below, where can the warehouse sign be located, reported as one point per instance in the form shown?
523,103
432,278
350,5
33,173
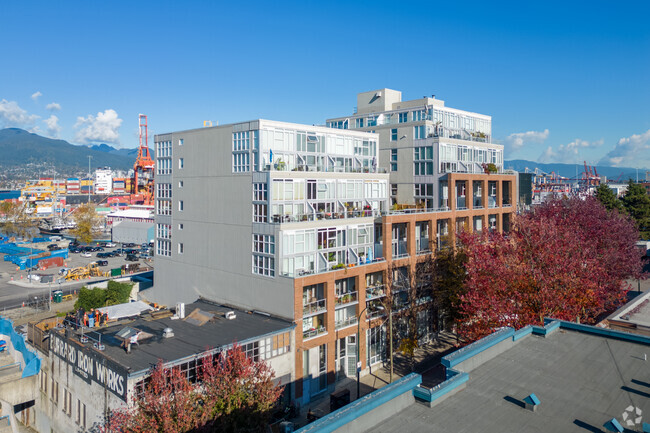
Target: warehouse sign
90,365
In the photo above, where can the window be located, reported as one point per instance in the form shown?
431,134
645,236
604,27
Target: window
43,381
263,265
260,213
180,226
181,248
163,190
358,122
393,160
163,248
181,162
403,117
393,134
240,152
180,184
67,402
181,205
423,161
419,132
260,192
264,244
54,391
393,189
180,141
81,414
163,231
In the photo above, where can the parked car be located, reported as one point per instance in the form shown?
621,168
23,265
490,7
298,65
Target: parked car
110,245
102,262
101,255
131,258
86,254
64,271
52,247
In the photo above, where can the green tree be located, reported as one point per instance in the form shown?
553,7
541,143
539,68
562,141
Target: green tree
449,276
16,220
115,293
637,203
606,196
86,220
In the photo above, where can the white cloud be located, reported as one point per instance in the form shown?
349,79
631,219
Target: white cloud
53,127
633,151
36,95
11,115
102,128
516,141
53,106
567,153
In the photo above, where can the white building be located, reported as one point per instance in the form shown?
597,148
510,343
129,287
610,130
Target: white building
103,181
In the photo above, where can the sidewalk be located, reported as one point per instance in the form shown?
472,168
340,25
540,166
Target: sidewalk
426,362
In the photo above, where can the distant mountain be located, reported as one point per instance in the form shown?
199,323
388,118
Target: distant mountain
575,170
132,153
21,148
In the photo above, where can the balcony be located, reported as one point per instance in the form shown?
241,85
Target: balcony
314,307
375,313
344,323
400,250
318,216
346,298
313,333
422,246
375,292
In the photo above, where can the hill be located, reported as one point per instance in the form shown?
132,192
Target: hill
131,153
573,170
19,148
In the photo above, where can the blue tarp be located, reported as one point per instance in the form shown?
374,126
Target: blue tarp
32,363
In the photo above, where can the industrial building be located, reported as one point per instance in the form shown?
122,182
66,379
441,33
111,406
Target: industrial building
296,220
88,372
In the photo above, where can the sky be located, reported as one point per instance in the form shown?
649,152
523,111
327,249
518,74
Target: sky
563,81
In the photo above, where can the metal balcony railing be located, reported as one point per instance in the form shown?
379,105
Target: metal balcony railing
312,333
314,307
344,323
346,298
375,292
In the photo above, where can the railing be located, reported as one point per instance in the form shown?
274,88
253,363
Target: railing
311,333
374,292
346,298
314,307
322,169
317,216
343,323
375,314
399,249
414,210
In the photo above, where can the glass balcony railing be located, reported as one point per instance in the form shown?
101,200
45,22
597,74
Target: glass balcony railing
422,246
312,333
344,323
317,216
346,298
375,292
399,249
314,307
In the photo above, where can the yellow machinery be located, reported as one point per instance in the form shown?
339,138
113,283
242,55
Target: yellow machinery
91,270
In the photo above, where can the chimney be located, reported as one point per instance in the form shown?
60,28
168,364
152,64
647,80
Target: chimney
531,402
180,310
168,333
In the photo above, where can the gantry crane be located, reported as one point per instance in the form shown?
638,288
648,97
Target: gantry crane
143,173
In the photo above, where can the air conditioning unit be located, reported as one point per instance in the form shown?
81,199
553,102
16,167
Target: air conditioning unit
230,315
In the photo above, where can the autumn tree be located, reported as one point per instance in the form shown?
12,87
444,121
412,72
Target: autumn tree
233,393
15,219
87,221
608,198
566,259
637,203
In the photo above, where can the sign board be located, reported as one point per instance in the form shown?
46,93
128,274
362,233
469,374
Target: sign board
90,365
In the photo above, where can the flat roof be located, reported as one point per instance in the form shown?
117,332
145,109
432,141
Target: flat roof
582,380
189,339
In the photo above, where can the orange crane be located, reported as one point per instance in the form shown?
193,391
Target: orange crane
143,169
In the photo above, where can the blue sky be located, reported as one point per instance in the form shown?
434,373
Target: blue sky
563,81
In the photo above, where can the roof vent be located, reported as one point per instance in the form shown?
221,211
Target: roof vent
614,425
168,333
531,402
230,315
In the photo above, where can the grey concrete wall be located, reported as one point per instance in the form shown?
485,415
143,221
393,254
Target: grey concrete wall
489,353
217,231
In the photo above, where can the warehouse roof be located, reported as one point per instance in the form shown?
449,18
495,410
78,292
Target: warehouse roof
192,336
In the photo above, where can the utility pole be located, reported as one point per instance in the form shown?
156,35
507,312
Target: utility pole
89,158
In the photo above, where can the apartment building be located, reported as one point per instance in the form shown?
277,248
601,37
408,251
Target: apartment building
103,181
296,221
437,156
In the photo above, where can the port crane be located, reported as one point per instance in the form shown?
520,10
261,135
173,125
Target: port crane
143,169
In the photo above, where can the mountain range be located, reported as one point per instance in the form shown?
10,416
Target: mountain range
572,171
19,148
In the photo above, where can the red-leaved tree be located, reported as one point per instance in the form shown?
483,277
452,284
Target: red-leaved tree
567,259
233,394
